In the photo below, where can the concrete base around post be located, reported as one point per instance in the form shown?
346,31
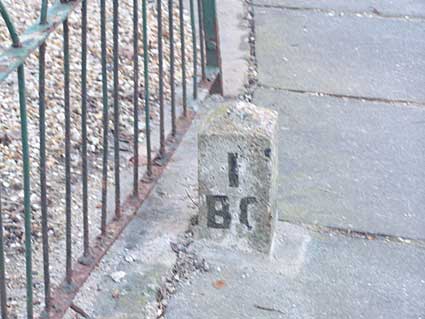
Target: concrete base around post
237,176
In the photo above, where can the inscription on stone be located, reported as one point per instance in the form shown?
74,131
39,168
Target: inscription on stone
218,211
243,217
218,206
233,170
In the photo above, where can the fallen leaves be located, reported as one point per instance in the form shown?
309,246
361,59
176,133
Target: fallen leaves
219,284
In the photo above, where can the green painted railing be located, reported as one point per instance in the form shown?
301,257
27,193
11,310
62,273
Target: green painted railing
58,299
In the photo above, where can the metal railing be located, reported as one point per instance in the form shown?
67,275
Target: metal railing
58,298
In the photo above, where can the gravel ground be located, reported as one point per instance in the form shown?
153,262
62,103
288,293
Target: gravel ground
24,13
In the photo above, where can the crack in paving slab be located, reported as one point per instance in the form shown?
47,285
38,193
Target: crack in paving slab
357,234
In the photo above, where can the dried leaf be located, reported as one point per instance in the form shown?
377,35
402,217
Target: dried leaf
219,284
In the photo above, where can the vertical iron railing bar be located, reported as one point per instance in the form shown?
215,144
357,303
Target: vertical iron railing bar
201,39
195,50
26,163
161,82
43,184
183,57
27,190
116,109
3,292
43,15
68,225
136,97
172,67
105,116
86,243
10,26
146,84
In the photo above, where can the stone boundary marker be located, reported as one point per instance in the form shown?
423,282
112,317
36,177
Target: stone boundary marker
237,176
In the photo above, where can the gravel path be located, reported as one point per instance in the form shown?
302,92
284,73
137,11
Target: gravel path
24,13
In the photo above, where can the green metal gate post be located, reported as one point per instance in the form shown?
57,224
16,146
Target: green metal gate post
212,45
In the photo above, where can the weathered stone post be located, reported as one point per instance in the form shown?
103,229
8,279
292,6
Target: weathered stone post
237,176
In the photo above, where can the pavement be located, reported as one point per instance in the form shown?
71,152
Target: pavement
347,79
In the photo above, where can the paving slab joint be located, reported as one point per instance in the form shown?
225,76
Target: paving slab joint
345,96
358,234
373,13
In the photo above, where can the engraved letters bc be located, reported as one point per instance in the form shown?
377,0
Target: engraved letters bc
218,205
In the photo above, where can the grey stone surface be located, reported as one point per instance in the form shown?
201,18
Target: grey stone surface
349,163
311,276
314,51
235,51
237,165
414,8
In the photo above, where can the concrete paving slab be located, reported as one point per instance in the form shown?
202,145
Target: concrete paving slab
311,275
348,55
413,8
349,163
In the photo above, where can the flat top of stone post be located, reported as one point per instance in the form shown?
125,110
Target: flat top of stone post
239,117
